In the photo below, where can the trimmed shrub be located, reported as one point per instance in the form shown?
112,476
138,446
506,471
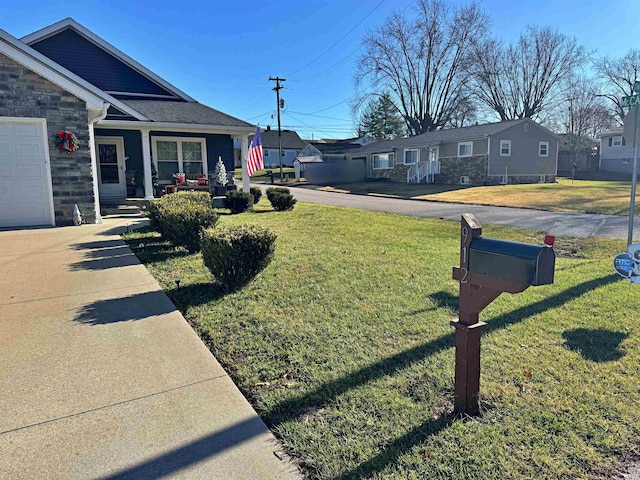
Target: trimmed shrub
257,194
235,255
181,217
280,198
277,189
238,201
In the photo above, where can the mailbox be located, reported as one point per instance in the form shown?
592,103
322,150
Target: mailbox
523,263
488,268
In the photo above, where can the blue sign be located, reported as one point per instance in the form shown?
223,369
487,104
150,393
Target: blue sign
622,264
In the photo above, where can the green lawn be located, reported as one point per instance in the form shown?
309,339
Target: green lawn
261,175
343,346
580,196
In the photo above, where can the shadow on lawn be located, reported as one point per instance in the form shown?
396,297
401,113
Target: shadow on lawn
596,345
315,399
194,295
398,447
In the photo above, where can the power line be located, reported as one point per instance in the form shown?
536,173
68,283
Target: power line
261,115
320,116
309,126
329,68
310,94
337,42
333,106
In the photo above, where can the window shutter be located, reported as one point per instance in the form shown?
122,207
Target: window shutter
610,142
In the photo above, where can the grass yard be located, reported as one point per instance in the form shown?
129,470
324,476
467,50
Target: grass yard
580,196
261,175
343,346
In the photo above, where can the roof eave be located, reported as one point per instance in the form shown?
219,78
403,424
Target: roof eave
172,126
42,64
95,39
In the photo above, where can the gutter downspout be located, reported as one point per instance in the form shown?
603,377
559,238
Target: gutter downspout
486,165
95,115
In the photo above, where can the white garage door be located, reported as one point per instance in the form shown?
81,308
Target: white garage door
25,176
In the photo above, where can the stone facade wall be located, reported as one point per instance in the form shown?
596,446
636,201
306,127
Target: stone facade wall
452,168
24,93
398,173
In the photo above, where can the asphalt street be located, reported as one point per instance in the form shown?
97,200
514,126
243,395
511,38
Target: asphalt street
553,223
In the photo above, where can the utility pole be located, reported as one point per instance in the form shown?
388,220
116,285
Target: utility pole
277,90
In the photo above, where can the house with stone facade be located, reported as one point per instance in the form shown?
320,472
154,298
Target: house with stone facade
513,151
133,128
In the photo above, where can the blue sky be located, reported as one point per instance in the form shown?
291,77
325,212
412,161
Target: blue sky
222,53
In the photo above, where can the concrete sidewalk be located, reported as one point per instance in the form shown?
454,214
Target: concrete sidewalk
100,376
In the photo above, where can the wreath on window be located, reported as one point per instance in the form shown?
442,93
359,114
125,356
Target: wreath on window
66,142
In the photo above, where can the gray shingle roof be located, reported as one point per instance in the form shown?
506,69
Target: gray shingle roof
437,137
184,112
290,139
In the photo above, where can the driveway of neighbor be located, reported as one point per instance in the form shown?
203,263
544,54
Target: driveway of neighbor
100,376
554,223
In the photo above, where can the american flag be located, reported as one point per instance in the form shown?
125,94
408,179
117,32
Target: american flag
254,160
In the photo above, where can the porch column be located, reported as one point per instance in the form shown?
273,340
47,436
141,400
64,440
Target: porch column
146,164
244,152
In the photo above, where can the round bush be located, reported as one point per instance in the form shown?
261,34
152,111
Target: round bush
257,194
235,255
280,198
238,201
181,217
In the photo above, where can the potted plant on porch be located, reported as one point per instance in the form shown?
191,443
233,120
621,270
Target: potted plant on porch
219,179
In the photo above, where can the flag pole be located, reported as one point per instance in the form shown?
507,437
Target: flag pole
244,153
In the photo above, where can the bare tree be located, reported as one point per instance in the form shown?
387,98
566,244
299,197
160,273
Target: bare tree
617,77
422,62
582,115
464,115
523,79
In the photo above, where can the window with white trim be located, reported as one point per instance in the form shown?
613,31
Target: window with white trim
179,155
411,157
464,180
543,149
505,148
383,161
465,149
616,142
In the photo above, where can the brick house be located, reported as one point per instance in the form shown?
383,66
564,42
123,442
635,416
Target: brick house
128,122
513,151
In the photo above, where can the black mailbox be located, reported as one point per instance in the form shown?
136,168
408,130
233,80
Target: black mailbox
514,261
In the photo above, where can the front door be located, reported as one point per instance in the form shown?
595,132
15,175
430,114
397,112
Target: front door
111,167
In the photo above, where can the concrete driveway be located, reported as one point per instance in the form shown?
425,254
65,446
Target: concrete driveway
559,224
100,376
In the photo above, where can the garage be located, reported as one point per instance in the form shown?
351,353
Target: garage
25,177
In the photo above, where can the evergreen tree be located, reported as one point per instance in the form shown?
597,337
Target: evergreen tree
220,173
381,119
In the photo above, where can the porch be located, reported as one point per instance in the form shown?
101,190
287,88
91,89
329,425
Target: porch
140,162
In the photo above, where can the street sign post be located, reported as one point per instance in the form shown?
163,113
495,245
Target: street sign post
633,102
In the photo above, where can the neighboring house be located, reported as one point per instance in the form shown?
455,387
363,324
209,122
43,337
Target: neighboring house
292,144
129,122
615,154
513,151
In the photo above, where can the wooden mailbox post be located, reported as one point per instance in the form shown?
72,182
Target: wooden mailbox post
488,267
